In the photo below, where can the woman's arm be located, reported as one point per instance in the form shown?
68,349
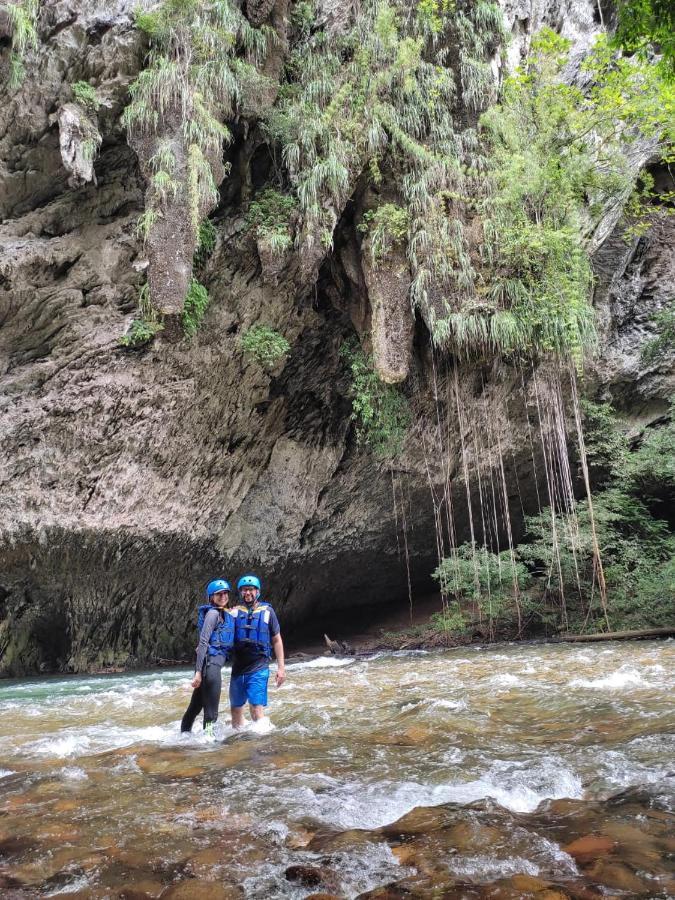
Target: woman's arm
210,622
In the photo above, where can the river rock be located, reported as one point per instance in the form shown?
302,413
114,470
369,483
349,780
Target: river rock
141,890
615,874
197,889
307,875
590,847
206,862
529,883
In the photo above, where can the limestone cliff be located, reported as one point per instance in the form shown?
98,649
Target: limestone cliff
128,478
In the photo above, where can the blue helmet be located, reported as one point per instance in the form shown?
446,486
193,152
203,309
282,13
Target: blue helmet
218,585
249,581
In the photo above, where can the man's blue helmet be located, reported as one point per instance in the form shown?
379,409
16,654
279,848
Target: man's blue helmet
249,581
218,585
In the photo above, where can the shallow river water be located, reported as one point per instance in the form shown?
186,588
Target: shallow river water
541,771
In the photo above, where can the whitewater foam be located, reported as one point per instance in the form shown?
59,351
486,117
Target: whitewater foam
322,662
626,676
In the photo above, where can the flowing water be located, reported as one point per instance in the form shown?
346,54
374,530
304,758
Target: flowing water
100,796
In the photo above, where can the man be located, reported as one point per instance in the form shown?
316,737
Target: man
256,636
215,624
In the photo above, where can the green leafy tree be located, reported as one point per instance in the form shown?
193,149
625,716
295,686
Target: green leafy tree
648,26
491,583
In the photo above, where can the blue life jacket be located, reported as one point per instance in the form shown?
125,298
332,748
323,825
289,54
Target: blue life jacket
253,625
222,636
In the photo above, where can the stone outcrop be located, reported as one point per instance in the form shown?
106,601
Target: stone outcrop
129,478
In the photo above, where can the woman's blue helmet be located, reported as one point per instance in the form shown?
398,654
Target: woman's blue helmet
218,585
249,581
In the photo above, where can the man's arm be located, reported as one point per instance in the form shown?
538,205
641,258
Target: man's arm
278,647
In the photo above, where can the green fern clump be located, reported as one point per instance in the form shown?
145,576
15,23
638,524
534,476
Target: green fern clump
194,310
386,226
206,243
85,94
265,345
139,334
271,216
380,410
370,95
23,16
143,328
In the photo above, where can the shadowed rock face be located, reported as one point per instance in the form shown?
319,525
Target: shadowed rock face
129,478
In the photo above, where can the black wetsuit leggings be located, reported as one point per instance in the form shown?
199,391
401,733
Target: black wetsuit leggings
207,696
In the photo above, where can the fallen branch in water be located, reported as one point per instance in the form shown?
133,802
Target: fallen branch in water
618,635
338,648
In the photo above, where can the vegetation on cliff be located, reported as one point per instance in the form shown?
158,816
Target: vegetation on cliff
23,16
553,582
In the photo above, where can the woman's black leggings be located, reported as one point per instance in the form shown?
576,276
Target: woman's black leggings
207,696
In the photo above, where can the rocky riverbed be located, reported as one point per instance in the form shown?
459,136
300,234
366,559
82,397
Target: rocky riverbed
511,772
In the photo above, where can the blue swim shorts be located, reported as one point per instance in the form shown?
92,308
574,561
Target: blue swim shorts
251,688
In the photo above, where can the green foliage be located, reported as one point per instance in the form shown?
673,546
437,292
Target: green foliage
650,469
194,309
380,410
637,552
381,94
663,344
144,328
302,17
637,546
139,334
86,95
265,345
387,226
202,54
499,221
23,16
493,582
271,214
146,221
551,580
606,445
452,619
556,156
648,26
206,243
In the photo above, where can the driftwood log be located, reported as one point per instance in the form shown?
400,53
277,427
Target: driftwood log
619,635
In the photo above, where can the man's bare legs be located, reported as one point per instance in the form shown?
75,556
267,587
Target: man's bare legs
237,716
257,712
238,721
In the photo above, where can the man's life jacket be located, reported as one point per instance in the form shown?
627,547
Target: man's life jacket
222,636
253,626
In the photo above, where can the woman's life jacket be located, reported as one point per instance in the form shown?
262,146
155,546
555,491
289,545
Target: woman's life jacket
222,636
253,626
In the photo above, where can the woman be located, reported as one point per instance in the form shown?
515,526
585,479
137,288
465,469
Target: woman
216,636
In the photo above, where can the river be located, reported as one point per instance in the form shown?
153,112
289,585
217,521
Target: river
540,771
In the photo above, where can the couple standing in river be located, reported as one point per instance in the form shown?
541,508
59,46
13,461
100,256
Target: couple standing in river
247,633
